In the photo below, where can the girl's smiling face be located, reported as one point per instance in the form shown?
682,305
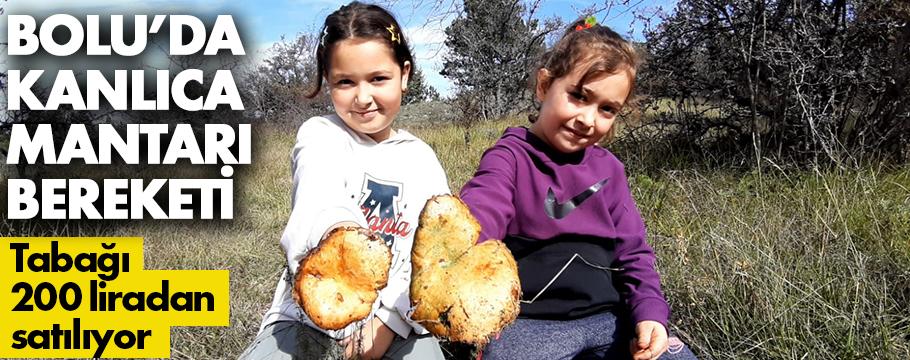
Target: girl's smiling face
366,85
575,115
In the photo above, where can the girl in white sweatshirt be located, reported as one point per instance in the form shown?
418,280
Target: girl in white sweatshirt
352,168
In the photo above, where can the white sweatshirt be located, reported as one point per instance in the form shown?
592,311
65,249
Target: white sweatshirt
341,175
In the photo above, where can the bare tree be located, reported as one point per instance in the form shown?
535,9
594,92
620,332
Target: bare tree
275,87
802,79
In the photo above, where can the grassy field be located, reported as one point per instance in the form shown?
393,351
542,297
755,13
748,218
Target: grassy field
775,264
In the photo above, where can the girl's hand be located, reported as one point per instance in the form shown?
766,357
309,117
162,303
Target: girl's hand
650,340
370,342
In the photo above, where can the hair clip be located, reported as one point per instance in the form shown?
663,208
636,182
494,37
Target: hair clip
325,32
590,21
395,37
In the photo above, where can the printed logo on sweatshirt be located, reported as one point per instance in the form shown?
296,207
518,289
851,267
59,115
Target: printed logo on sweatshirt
556,210
379,203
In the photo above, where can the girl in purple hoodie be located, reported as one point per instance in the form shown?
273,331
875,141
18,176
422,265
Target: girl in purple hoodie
562,205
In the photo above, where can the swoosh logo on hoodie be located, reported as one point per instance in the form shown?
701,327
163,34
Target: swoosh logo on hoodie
556,210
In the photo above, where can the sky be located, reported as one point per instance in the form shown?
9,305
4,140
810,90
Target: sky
265,22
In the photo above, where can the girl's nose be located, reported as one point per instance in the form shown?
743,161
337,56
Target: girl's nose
364,95
585,120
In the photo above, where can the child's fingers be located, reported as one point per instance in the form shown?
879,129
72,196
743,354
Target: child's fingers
348,345
642,354
650,341
644,337
638,352
659,342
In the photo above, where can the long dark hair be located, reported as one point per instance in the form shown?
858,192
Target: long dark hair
359,20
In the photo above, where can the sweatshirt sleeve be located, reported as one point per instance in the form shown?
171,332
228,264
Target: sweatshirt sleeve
395,301
489,194
395,297
318,198
638,283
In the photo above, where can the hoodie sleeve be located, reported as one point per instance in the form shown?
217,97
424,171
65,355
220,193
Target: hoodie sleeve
395,297
318,198
638,283
489,194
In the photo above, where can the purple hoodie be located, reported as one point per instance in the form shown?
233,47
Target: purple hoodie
547,206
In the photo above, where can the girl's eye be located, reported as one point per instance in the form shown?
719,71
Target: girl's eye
380,78
344,82
608,110
577,95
